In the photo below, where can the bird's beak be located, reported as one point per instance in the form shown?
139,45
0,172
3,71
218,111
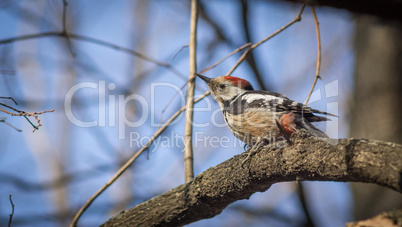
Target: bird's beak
204,78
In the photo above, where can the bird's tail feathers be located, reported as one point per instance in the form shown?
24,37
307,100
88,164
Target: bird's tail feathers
322,112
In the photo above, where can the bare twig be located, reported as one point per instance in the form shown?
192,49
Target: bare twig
180,50
250,58
10,98
188,127
3,120
317,70
170,101
297,19
68,41
220,36
12,108
241,59
25,114
223,59
85,38
98,42
12,212
301,194
114,46
65,4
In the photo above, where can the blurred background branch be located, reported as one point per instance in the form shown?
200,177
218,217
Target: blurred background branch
389,9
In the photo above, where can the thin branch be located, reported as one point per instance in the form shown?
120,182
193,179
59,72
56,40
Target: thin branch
302,197
170,101
178,52
25,114
296,19
223,59
10,98
219,31
12,108
68,41
250,58
32,124
12,212
98,42
3,120
21,112
85,38
239,61
188,127
220,36
317,70
88,39
65,4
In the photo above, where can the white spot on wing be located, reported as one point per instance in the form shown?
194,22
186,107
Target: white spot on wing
252,97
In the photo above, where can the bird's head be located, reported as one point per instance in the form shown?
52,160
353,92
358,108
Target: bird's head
225,88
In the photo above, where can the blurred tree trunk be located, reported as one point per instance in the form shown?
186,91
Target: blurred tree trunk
377,102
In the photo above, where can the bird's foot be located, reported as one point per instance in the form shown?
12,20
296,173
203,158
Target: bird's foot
262,144
252,150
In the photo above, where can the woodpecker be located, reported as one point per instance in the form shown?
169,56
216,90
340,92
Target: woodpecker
254,116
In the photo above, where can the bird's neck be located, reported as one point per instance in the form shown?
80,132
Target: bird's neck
226,103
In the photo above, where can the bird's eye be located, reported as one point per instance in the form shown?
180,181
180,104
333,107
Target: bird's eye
222,86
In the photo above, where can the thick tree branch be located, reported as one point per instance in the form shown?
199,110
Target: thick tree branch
310,158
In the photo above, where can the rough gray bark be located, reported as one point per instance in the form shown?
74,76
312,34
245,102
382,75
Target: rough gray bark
310,158
386,9
391,218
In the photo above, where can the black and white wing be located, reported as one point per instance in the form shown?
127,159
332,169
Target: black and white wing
276,102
